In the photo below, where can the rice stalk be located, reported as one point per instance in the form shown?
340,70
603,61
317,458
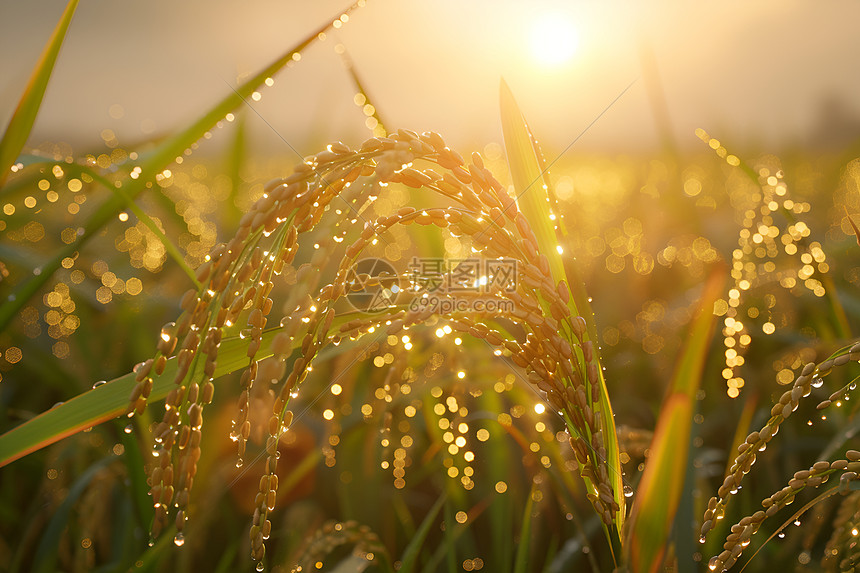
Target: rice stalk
367,547
239,276
811,376
586,404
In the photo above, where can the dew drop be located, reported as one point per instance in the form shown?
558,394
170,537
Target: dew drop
167,331
127,429
240,463
179,540
99,383
151,542
817,382
628,491
260,566
702,539
852,386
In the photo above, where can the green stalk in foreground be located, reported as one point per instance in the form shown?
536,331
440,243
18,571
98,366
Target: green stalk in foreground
533,186
108,401
662,484
19,127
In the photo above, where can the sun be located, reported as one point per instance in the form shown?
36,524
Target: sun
554,39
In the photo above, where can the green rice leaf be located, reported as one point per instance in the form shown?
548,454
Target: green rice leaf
21,124
107,401
662,483
521,562
46,555
380,129
535,199
410,555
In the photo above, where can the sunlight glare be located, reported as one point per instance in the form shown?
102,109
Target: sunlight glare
553,39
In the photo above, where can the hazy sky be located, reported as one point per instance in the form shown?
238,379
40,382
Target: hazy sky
755,75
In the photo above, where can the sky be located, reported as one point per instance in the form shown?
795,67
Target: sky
589,76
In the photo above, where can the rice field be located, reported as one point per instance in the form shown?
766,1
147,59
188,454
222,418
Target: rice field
395,355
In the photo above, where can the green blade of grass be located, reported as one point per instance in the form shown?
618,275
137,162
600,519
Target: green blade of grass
450,544
528,179
410,555
380,129
110,400
48,546
235,161
534,200
21,124
662,484
154,164
498,462
521,562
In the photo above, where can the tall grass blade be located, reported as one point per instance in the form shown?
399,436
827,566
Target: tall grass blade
521,562
450,540
853,226
21,124
410,555
154,164
534,199
235,161
46,554
379,130
662,484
